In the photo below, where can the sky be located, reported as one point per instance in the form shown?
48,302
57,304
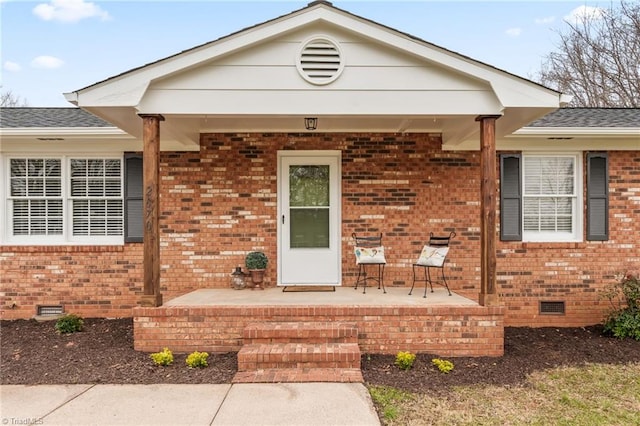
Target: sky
50,47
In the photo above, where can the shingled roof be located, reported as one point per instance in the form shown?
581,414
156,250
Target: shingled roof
26,117
590,117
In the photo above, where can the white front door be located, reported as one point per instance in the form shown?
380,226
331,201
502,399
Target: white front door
309,218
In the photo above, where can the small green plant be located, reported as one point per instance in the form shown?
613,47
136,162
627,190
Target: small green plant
405,360
442,364
69,323
256,260
197,359
624,296
164,357
390,401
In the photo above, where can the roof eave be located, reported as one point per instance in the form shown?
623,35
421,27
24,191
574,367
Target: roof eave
577,131
63,131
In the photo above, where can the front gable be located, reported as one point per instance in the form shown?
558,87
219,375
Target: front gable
265,80
248,81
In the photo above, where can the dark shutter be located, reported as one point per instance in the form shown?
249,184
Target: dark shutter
133,218
597,196
510,197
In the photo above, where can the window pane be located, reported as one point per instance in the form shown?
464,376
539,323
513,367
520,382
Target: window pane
114,226
97,208
80,208
95,167
308,186
20,226
78,168
53,168
112,168
53,187
55,226
565,185
114,208
18,167
35,187
97,226
35,167
78,187
80,226
38,226
18,187
309,228
565,224
38,208
96,187
565,206
20,208
112,187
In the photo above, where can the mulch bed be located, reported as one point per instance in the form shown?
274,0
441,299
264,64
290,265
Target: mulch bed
33,353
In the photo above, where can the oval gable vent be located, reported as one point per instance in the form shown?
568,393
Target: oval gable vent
320,61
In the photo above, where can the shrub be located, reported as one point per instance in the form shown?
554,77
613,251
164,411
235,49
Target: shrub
405,360
624,296
69,323
164,357
256,260
442,364
197,359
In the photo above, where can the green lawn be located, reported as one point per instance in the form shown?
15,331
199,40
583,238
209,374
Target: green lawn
597,394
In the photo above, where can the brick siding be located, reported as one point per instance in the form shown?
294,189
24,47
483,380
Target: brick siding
221,202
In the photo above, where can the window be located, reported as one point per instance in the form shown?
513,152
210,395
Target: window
36,196
96,197
65,200
541,197
550,198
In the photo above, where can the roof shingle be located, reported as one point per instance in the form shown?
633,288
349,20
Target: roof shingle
590,117
26,117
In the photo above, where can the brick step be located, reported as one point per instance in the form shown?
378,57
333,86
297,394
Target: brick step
300,375
298,355
302,332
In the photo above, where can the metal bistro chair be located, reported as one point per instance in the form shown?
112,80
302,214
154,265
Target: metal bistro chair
433,255
369,253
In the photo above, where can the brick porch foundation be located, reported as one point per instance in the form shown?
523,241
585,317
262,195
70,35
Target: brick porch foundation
453,331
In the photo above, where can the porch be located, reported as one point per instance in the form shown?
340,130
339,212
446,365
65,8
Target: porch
214,320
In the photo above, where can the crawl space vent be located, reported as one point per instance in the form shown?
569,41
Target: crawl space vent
552,308
320,61
49,311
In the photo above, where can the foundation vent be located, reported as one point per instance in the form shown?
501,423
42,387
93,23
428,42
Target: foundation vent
50,311
320,61
552,308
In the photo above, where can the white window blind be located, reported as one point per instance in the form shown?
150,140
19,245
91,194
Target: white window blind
549,194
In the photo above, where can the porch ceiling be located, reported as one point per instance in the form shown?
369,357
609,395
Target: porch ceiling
182,131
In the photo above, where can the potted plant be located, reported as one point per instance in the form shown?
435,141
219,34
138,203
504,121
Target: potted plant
256,263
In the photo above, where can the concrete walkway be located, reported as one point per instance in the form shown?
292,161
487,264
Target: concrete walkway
238,404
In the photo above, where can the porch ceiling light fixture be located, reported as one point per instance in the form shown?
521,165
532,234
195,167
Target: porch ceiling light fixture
310,123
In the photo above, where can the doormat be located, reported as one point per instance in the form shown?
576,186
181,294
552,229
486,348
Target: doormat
303,288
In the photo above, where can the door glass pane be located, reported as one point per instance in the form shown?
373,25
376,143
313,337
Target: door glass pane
309,206
309,228
308,186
